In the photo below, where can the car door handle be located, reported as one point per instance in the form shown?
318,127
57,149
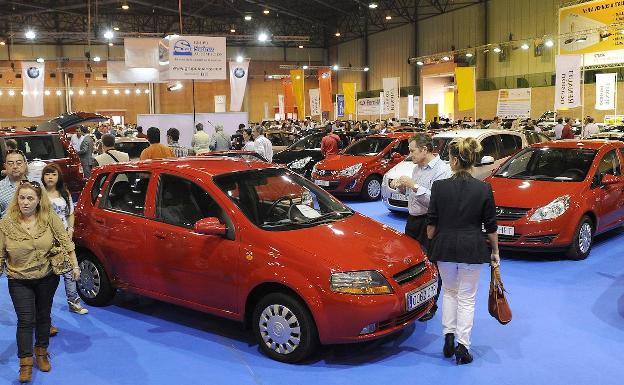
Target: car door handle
160,235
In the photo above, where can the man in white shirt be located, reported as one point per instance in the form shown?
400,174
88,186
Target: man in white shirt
558,128
590,128
76,139
262,145
109,154
201,140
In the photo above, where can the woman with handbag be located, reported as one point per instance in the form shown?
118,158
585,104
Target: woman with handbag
34,250
460,208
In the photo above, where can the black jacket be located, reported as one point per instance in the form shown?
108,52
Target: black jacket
460,208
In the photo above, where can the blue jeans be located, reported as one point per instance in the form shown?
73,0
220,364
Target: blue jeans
70,288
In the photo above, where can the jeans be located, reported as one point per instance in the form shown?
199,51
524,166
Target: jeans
459,284
32,300
70,288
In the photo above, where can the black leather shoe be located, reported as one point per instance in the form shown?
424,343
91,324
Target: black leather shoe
429,315
462,356
449,345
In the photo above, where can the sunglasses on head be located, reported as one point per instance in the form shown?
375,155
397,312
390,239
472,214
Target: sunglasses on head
33,183
15,151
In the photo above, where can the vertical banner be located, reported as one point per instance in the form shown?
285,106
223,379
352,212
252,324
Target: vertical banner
238,84
266,111
465,80
141,52
391,95
298,81
382,104
315,102
605,91
449,103
281,110
349,90
325,85
289,95
219,103
410,106
197,57
33,75
340,106
417,106
568,81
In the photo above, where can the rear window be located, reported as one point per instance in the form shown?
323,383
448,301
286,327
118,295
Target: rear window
97,187
133,149
44,147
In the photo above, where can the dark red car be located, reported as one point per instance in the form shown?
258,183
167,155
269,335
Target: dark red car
359,168
557,196
251,242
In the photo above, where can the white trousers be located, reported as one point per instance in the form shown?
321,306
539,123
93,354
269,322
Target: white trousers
459,288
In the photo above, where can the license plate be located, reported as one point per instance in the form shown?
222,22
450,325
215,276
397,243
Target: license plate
398,196
506,230
417,297
321,182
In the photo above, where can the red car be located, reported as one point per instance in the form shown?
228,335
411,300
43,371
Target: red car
359,168
559,195
249,241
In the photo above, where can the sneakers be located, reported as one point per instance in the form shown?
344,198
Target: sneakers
75,307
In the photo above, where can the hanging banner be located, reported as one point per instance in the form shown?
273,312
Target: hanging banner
340,106
315,102
141,52
368,106
219,103
238,84
33,75
325,85
410,106
289,95
266,111
605,91
298,81
514,103
449,103
465,80
568,81
118,72
281,110
382,103
586,27
349,90
197,57
391,95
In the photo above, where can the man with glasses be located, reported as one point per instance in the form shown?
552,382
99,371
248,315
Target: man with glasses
16,169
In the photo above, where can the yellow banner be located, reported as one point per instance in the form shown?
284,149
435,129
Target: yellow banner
587,27
349,89
298,79
465,80
449,103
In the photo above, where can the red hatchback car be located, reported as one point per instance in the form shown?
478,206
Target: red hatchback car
252,242
559,195
359,168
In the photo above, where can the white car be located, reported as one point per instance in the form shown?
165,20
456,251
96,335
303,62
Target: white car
497,145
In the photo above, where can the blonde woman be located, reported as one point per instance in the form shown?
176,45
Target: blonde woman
28,233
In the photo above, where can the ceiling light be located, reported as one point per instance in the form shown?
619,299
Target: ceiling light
1,93
549,43
247,17
297,77
115,28
581,39
305,67
239,59
497,50
446,58
105,92
127,92
71,92
40,60
372,5
47,92
270,76
116,92
80,92
263,36
419,63
109,34
175,87
23,93
2,42
125,6
266,12
337,34
366,69
58,93
468,54
11,93
146,91
96,59
93,92
300,46
110,44
524,46
388,17
30,34
137,91
335,67
232,30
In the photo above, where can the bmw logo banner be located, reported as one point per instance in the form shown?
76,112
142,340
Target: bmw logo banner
238,83
197,58
32,90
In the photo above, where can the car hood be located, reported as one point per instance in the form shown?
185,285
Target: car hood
339,162
69,120
530,193
405,167
358,243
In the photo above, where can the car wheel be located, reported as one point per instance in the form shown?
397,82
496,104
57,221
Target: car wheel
284,328
583,240
94,286
371,189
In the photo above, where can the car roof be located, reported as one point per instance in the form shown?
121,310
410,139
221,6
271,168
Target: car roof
393,135
473,133
128,139
594,144
22,133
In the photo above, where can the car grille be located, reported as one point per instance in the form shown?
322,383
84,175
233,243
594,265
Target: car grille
397,203
510,213
326,172
508,238
545,239
403,318
410,274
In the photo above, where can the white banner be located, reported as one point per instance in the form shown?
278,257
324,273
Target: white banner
117,72
197,57
514,103
410,105
568,82
238,83
141,52
315,102
382,103
605,91
368,106
219,103
33,75
266,111
280,103
391,96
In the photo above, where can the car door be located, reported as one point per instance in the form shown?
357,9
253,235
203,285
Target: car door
188,266
608,198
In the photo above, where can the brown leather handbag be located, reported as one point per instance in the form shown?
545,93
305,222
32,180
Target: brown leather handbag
497,303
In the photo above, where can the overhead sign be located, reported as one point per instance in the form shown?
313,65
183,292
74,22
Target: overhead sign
602,58
197,57
587,27
368,106
514,103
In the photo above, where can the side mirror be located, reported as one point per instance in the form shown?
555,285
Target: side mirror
209,226
396,155
608,179
487,160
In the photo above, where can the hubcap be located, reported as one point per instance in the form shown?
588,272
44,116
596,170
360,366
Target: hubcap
90,280
374,188
280,329
585,237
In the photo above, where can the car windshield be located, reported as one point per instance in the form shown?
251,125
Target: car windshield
370,146
277,199
440,146
544,163
133,149
309,142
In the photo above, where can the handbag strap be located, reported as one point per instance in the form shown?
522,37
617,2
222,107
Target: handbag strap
496,280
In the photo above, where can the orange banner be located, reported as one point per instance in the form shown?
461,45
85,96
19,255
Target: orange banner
297,77
289,95
325,84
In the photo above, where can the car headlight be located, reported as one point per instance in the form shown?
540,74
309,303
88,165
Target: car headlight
552,210
350,171
300,163
360,283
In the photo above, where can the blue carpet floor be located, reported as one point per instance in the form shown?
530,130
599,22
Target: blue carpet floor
568,328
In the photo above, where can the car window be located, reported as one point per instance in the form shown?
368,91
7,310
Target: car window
489,148
133,149
126,192
44,147
309,142
97,187
511,144
531,137
609,164
276,139
181,202
370,146
403,148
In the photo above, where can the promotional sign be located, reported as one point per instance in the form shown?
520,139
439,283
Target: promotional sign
298,81
391,96
33,75
349,90
465,80
587,27
238,83
340,105
118,72
602,58
614,119
368,106
382,103
514,103
289,95
219,103
197,57
315,102
413,106
141,52
605,91
325,85
281,109
568,81
266,111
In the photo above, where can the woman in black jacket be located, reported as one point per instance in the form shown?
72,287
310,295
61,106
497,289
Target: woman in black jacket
460,208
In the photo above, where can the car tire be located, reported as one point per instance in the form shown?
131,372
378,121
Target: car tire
94,286
583,240
371,188
272,316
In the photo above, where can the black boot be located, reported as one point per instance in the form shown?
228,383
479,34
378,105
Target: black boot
449,345
462,356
